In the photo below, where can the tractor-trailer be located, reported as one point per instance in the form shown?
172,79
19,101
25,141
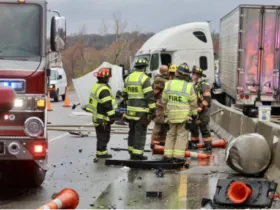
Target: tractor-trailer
249,56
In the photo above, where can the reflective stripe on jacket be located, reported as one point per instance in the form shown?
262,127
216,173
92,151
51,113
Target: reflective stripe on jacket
180,100
101,103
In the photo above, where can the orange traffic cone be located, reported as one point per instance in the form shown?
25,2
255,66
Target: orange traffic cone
217,144
160,150
66,101
49,104
66,199
239,192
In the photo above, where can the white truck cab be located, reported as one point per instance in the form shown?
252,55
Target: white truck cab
190,43
58,84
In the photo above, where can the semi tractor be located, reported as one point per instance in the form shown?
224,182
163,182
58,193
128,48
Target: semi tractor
249,57
24,70
191,43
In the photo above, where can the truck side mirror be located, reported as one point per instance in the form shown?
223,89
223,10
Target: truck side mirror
48,72
59,77
58,33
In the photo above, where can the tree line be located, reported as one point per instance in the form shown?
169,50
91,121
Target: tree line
85,52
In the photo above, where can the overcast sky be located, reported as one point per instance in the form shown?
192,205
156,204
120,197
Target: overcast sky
145,15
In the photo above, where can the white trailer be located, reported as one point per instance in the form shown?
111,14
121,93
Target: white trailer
190,43
249,56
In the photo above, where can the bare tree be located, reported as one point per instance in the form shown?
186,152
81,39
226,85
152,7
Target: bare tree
121,42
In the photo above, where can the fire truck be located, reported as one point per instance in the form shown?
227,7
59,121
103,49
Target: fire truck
24,76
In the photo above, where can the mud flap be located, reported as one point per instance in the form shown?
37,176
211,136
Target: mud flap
262,194
146,164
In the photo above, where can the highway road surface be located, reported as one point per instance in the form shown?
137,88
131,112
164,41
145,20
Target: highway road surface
71,166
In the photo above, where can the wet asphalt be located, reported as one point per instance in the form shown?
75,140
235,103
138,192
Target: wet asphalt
111,187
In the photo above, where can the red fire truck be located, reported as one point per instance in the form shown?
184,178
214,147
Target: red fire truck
24,72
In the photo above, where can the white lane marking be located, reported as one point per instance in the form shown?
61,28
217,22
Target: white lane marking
63,135
58,137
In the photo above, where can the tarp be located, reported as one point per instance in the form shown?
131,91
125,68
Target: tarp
84,84
248,154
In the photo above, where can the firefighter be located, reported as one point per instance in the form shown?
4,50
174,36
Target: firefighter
102,105
172,69
140,110
160,126
202,89
180,104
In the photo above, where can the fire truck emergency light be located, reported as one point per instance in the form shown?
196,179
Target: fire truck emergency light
21,1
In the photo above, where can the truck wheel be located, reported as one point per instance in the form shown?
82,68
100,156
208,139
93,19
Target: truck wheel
35,177
56,96
64,95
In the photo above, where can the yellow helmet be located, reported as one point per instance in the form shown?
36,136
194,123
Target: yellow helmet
173,68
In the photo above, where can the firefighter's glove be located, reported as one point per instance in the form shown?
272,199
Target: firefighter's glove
152,115
112,121
195,120
188,124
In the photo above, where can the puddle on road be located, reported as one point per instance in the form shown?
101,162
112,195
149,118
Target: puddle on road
179,189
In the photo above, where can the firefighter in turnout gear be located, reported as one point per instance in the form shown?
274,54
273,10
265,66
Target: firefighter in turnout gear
160,127
141,106
102,105
172,69
180,103
202,89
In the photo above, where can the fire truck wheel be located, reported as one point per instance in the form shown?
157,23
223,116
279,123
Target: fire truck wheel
36,177
56,96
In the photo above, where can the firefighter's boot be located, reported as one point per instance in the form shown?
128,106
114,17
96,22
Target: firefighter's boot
193,144
208,146
104,156
138,157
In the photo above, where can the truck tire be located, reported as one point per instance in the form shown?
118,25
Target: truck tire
56,96
64,95
37,177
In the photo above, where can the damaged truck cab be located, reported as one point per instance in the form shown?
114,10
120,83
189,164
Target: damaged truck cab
24,67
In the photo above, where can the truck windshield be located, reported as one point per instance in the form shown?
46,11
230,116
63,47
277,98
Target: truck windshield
20,31
53,75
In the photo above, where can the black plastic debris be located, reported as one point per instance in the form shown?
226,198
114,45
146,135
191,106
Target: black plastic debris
117,149
146,164
153,194
160,173
262,194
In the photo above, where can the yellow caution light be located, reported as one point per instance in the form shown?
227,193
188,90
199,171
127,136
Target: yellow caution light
41,103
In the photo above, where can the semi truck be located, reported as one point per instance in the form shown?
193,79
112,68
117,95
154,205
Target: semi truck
191,43
249,57
24,70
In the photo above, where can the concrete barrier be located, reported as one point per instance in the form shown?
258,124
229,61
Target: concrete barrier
230,123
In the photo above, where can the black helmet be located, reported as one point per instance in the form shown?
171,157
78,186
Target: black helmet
198,71
141,63
183,69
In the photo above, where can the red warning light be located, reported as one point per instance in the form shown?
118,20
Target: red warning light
38,148
6,117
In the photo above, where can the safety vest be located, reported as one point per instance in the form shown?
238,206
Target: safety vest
198,89
178,94
95,100
137,104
